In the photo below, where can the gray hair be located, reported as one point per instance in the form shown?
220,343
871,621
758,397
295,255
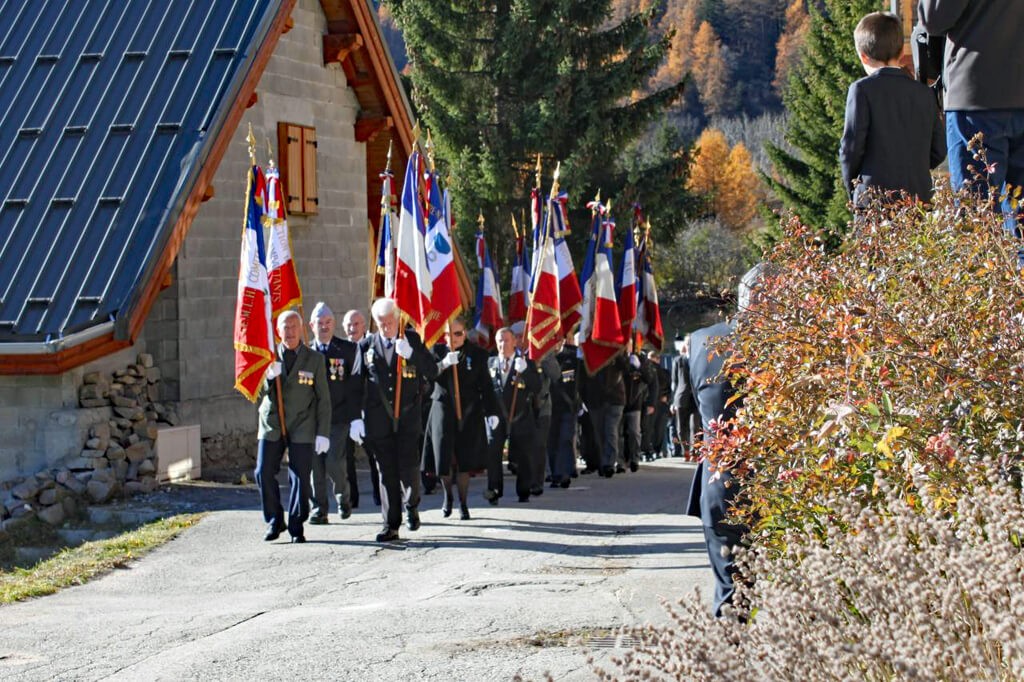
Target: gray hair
285,316
748,292
383,308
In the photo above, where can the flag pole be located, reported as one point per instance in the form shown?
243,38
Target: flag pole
448,324
401,326
251,139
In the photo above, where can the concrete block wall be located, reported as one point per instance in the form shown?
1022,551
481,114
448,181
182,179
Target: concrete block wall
40,421
190,330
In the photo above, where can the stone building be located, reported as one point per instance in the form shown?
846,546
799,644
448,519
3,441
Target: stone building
123,162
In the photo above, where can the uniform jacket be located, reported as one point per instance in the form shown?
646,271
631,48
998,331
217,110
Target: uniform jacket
381,381
607,386
477,398
528,383
307,399
682,391
710,500
641,384
345,384
565,395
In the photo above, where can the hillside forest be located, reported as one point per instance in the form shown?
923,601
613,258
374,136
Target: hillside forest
735,58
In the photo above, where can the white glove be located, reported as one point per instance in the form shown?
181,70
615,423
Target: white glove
357,431
321,445
520,365
635,361
403,348
491,421
451,359
274,371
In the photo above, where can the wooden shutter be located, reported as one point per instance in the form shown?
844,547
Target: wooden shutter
310,194
289,144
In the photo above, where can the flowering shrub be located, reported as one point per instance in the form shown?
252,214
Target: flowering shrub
899,358
879,444
896,592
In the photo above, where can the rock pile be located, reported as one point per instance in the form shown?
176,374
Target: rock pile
117,458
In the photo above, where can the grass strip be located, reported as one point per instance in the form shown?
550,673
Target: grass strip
78,565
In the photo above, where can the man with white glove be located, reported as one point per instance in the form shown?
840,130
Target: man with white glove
304,402
345,383
512,375
394,440
357,431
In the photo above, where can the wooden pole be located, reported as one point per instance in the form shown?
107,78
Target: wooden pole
398,377
515,392
455,378
251,140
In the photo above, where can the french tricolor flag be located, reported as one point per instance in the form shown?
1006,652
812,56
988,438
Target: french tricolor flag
606,336
543,320
489,316
413,283
626,281
520,285
570,297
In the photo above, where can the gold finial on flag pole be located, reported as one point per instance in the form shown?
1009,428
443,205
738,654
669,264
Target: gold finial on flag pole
391,144
270,153
251,139
515,228
554,179
429,146
415,133
537,175
480,220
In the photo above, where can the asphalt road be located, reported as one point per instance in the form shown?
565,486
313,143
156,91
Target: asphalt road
523,589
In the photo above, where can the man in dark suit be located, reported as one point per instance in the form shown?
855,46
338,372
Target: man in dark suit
713,491
345,379
604,394
893,132
683,407
656,425
515,382
354,324
565,406
390,361
306,402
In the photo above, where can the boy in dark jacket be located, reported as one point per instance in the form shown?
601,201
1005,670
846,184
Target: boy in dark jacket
893,133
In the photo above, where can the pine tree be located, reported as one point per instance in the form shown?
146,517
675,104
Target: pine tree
499,82
809,182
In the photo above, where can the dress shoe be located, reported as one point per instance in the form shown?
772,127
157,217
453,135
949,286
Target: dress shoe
346,511
446,510
556,483
464,513
413,518
387,535
524,498
274,530
565,483
619,469
633,466
491,496
589,470
318,520
537,490
608,472
298,539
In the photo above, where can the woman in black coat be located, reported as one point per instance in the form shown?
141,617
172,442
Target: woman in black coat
459,446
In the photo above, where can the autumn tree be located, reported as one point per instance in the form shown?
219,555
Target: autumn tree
707,172
739,196
791,41
710,70
680,22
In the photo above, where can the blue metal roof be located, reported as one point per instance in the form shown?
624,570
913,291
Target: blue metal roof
108,109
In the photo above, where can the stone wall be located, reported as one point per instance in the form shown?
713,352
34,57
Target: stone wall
118,455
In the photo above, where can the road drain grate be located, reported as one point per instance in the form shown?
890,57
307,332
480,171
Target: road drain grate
612,642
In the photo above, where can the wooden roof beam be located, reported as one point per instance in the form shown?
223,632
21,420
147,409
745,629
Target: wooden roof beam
368,127
338,46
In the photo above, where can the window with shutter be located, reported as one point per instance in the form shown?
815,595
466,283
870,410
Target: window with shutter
297,151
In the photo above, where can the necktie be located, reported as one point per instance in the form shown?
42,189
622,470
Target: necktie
387,343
